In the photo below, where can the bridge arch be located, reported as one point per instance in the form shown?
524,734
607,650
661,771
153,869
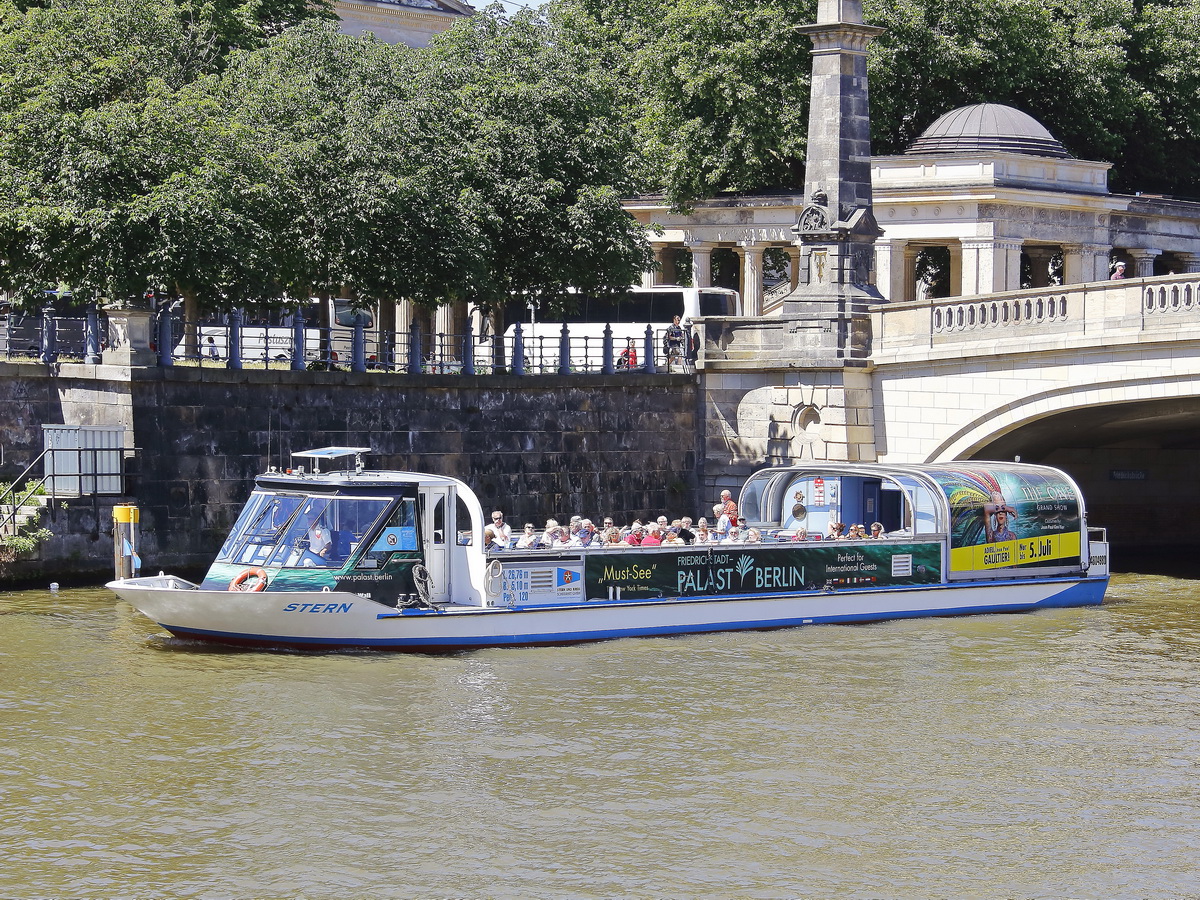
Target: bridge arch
992,425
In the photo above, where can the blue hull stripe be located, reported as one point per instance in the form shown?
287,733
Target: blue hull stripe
1079,593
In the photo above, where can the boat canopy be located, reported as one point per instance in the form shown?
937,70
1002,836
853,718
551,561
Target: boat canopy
992,515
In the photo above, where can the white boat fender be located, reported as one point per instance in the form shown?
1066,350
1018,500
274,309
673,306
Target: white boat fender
495,580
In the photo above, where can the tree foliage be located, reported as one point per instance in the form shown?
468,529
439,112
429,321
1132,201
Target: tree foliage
724,85
165,142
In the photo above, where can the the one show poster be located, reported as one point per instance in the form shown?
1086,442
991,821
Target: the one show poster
1011,518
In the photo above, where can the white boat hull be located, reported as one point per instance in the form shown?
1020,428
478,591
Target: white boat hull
329,619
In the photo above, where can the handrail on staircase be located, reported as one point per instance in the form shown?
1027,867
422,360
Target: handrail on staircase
11,517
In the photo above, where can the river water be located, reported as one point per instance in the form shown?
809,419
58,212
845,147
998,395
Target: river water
1051,754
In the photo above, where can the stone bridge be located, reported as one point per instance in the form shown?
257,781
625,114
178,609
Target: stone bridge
1102,379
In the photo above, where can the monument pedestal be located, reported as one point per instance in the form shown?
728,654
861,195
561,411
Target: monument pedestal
129,338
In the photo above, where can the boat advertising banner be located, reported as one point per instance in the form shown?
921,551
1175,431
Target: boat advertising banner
1011,518
758,570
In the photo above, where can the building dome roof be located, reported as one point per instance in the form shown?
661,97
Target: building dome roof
988,127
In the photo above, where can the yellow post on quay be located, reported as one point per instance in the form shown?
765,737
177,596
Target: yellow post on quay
125,540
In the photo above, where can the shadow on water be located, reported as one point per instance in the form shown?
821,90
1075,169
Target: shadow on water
1176,561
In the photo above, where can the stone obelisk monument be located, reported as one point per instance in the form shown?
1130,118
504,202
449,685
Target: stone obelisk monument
836,229
800,386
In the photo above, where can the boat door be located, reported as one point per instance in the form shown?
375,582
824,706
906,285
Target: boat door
437,525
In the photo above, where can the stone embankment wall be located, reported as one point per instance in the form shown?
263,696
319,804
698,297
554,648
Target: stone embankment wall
535,446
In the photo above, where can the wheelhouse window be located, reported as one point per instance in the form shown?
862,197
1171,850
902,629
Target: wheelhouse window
258,529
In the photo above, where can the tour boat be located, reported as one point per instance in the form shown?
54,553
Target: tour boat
355,558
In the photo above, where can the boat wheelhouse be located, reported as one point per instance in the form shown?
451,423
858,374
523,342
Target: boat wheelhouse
351,557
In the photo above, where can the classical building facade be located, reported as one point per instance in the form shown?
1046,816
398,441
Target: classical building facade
986,193
410,22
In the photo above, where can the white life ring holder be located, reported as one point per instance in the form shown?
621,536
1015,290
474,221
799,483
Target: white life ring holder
239,581
495,582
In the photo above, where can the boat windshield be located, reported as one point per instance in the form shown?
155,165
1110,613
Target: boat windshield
281,529
327,531
257,529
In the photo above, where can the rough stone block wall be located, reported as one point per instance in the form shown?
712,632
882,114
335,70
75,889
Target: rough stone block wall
534,447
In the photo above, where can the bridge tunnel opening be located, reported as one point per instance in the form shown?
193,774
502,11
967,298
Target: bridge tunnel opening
1137,464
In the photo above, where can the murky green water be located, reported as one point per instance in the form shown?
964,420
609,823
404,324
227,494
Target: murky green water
1044,755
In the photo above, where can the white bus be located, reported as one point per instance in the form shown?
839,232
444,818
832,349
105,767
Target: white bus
628,313
270,340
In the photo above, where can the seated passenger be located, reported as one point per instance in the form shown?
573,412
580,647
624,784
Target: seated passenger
733,536
586,536
673,537
753,536
492,540
703,535
835,532
685,530
858,532
528,539
612,539
653,536
877,530
636,533
800,535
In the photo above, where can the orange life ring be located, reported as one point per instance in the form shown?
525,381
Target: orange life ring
239,581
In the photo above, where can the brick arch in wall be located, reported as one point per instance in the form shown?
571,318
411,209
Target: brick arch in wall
990,425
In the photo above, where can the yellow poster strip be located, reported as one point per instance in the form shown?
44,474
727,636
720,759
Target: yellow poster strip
1024,552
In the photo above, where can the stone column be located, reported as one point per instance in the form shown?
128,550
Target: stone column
701,263
908,286
990,265
752,277
793,253
956,267
889,269
1143,262
1008,255
664,255
1189,261
977,260
1095,262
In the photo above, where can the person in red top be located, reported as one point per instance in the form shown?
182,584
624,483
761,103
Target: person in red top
653,537
728,507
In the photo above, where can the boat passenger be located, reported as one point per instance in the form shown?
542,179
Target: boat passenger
753,536
703,535
673,538
800,535
636,533
653,536
492,541
685,530
733,536
877,530
528,539
503,531
858,532
728,507
586,536
721,522
836,531
612,539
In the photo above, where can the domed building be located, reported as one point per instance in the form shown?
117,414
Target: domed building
410,22
986,200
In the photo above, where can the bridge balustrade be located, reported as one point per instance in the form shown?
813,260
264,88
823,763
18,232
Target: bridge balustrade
1085,314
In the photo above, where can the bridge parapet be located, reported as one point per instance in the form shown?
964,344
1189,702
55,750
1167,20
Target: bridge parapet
1079,315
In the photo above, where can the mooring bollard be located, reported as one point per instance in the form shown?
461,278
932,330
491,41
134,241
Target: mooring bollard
125,540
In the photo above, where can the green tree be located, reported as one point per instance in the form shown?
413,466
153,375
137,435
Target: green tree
544,152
